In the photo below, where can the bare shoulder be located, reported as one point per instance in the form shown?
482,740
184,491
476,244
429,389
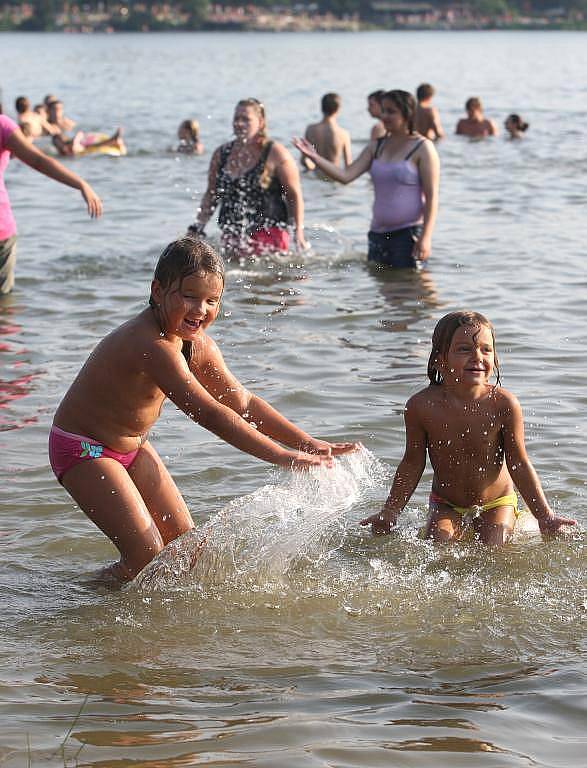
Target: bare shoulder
279,153
206,354
505,400
424,400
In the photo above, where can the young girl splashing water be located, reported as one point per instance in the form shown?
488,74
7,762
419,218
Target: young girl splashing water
474,434
99,447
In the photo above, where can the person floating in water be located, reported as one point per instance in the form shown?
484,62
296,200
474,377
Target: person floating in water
88,143
327,137
475,125
474,434
188,135
515,126
427,117
257,184
98,445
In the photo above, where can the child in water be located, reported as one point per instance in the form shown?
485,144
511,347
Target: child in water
515,126
99,447
474,434
188,134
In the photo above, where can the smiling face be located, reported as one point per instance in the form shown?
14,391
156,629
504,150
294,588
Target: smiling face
470,360
187,307
247,122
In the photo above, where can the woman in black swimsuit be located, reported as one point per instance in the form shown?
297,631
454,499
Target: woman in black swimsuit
257,184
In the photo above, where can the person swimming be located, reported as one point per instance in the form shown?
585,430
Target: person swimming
473,432
515,126
188,135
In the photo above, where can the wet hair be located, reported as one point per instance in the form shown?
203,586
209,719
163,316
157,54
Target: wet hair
517,121
330,103
184,257
376,95
259,108
406,104
473,103
193,128
22,104
445,329
425,91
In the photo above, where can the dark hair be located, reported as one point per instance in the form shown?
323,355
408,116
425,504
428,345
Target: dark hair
22,104
406,104
424,91
180,259
519,124
330,103
473,103
442,338
376,95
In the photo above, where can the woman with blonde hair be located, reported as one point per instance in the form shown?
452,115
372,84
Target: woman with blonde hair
256,182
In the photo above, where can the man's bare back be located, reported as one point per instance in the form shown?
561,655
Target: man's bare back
330,140
428,122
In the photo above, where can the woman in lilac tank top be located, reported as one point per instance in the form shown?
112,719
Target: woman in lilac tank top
405,170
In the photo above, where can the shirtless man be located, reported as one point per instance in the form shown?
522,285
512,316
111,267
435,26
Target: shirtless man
329,139
427,117
475,125
32,124
58,118
374,109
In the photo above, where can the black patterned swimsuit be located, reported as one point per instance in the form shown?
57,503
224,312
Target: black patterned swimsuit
246,205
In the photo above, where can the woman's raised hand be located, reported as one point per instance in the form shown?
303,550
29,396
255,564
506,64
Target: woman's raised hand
305,147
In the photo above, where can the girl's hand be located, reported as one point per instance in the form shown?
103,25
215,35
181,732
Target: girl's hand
304,461
379,523
92,201
422,248
305,147
550,526
324,448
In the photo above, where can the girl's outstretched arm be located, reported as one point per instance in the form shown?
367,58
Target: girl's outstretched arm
523,473
41,162
213,373
169,370
344,175
407,475
208,202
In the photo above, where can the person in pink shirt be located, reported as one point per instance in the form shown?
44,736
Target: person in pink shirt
13,142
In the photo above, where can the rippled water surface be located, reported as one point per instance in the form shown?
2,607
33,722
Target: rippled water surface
299,640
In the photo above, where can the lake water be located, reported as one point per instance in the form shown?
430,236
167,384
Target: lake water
300,641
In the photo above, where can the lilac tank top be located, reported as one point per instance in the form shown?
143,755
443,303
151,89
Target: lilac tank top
399,200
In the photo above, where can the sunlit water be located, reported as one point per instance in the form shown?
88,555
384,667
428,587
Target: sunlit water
298,639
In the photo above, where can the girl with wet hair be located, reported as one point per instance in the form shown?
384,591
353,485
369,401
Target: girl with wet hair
99,444
188,134
473,432
256,183
405,170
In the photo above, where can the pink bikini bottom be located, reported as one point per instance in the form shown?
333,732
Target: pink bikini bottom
66,450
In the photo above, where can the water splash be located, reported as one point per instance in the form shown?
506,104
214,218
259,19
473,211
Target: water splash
259,539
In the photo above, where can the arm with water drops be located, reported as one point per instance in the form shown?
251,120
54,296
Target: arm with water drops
521,470
213,373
